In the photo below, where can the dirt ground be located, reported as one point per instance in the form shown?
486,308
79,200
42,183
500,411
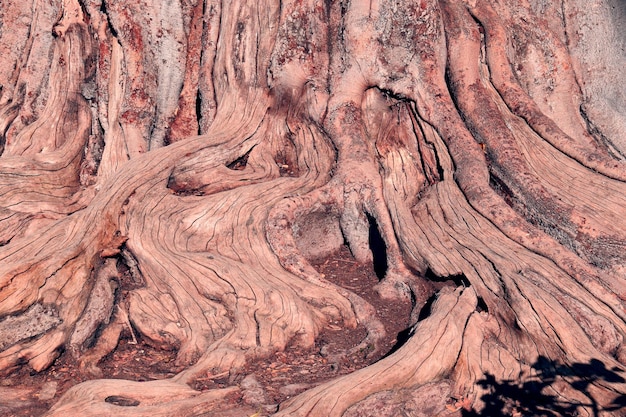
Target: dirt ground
284,375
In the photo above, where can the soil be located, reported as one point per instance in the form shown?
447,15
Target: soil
283,375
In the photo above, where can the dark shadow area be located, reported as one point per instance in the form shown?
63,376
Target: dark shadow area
529,397
378,248
482,305
104,11
450,281
199,110
503,190
427,308
121,401
240,163
401,339
406,334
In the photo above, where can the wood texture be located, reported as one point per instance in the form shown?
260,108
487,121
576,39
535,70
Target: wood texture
174,166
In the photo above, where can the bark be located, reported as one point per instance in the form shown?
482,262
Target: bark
173,167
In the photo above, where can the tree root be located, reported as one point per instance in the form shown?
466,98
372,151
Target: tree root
429,355
160,398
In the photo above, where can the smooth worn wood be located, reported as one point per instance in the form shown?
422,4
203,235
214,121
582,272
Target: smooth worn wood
172,168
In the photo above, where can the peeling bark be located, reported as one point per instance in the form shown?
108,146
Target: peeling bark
173,169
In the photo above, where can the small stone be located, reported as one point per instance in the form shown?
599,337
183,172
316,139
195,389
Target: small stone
270,408
252,391
324,351
48,391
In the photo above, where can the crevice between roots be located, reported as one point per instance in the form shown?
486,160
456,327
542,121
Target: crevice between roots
378,248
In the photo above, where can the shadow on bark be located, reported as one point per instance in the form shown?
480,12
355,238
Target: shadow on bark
538,394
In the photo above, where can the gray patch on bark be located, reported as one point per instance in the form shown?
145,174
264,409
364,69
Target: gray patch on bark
35,321
295,389
317,235
421,401
170,48
597,41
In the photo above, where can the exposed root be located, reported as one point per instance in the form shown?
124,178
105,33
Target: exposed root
161,398
412,132
429,355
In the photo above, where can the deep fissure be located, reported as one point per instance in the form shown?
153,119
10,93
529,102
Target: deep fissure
378,248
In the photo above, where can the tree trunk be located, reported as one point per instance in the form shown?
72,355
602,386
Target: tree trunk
160,161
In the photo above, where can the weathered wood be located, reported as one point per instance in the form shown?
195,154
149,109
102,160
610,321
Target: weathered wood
172,169
429,355
160,398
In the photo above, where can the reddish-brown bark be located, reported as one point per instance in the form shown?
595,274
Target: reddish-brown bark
173,169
